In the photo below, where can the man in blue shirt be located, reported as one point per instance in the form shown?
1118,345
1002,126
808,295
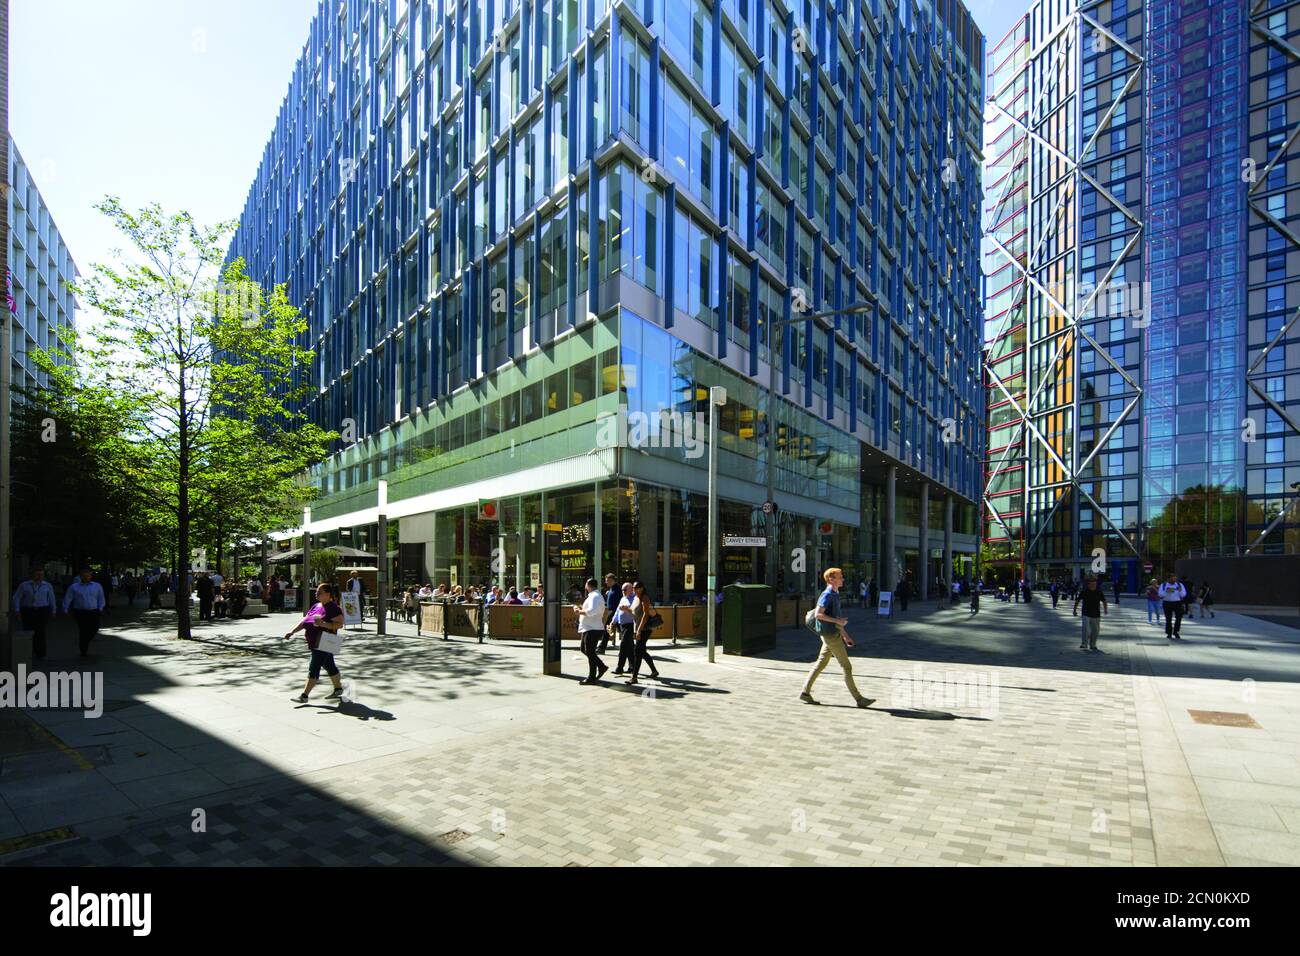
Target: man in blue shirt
613,594
85,599
830,627
34,603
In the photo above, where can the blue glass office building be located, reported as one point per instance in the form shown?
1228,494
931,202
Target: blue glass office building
511,219
1143,339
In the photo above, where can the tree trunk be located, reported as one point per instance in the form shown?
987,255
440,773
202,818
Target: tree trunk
183,515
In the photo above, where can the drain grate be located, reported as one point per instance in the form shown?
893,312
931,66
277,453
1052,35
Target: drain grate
1224,718
455,836
32,840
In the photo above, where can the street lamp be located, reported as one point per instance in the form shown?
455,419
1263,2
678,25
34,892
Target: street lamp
777,327
717,398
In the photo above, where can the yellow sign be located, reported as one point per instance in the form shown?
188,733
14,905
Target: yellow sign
552,527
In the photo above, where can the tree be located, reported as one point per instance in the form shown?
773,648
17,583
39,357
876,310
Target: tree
211,376
68,458
324,562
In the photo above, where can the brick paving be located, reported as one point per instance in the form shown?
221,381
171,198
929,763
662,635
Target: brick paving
992,741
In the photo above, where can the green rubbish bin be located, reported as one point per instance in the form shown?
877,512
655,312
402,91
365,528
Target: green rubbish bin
748,619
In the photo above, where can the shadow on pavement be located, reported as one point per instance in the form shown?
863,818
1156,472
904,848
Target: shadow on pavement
135,802
1037,636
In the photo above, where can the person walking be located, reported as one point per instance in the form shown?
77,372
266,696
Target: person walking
1115,585
34,603
612,595
835,640
625,620
974,600
325,615
875,592
902,593
1190,601
85,599
1094,606
1055,590
1153,602
591,625
204,586
1207,600
643,617
1172,595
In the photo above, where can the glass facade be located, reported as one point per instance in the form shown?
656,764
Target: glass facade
509,220
39,270
1155,276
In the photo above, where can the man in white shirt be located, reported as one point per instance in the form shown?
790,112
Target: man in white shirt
34,603
591,628
217,579
85,599
1172,596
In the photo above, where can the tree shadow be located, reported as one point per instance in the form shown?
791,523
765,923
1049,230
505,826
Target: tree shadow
137,801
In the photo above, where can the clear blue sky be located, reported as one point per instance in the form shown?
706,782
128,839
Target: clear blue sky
170,100
153,100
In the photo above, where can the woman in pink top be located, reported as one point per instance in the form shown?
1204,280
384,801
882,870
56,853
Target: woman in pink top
325,615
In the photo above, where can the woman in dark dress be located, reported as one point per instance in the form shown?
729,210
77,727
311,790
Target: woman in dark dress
643,610
325,615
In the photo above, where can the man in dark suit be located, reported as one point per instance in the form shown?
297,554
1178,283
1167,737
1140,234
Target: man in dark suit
204,586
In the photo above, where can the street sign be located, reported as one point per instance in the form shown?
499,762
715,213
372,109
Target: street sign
743,541
885,607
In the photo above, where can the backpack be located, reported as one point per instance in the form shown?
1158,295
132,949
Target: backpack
810,621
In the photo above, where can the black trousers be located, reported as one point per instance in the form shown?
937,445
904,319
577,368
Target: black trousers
1173,618
604,641
590,640
35,620
205,609
642,654
627,646
87,628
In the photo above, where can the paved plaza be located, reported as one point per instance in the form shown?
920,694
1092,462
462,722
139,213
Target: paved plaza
992,741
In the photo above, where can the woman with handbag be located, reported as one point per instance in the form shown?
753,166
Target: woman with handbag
325,615
645,620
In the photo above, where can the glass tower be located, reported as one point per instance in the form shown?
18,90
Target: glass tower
1144,384
529,236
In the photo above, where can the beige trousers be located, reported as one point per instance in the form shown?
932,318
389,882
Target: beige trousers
833,646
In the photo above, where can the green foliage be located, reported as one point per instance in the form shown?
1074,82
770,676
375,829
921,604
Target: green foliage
324,562
202,374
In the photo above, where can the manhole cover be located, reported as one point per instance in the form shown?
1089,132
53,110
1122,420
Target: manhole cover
455,836
1224,718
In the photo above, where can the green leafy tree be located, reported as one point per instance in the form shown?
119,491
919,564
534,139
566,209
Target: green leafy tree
69,500
211,376
324,563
